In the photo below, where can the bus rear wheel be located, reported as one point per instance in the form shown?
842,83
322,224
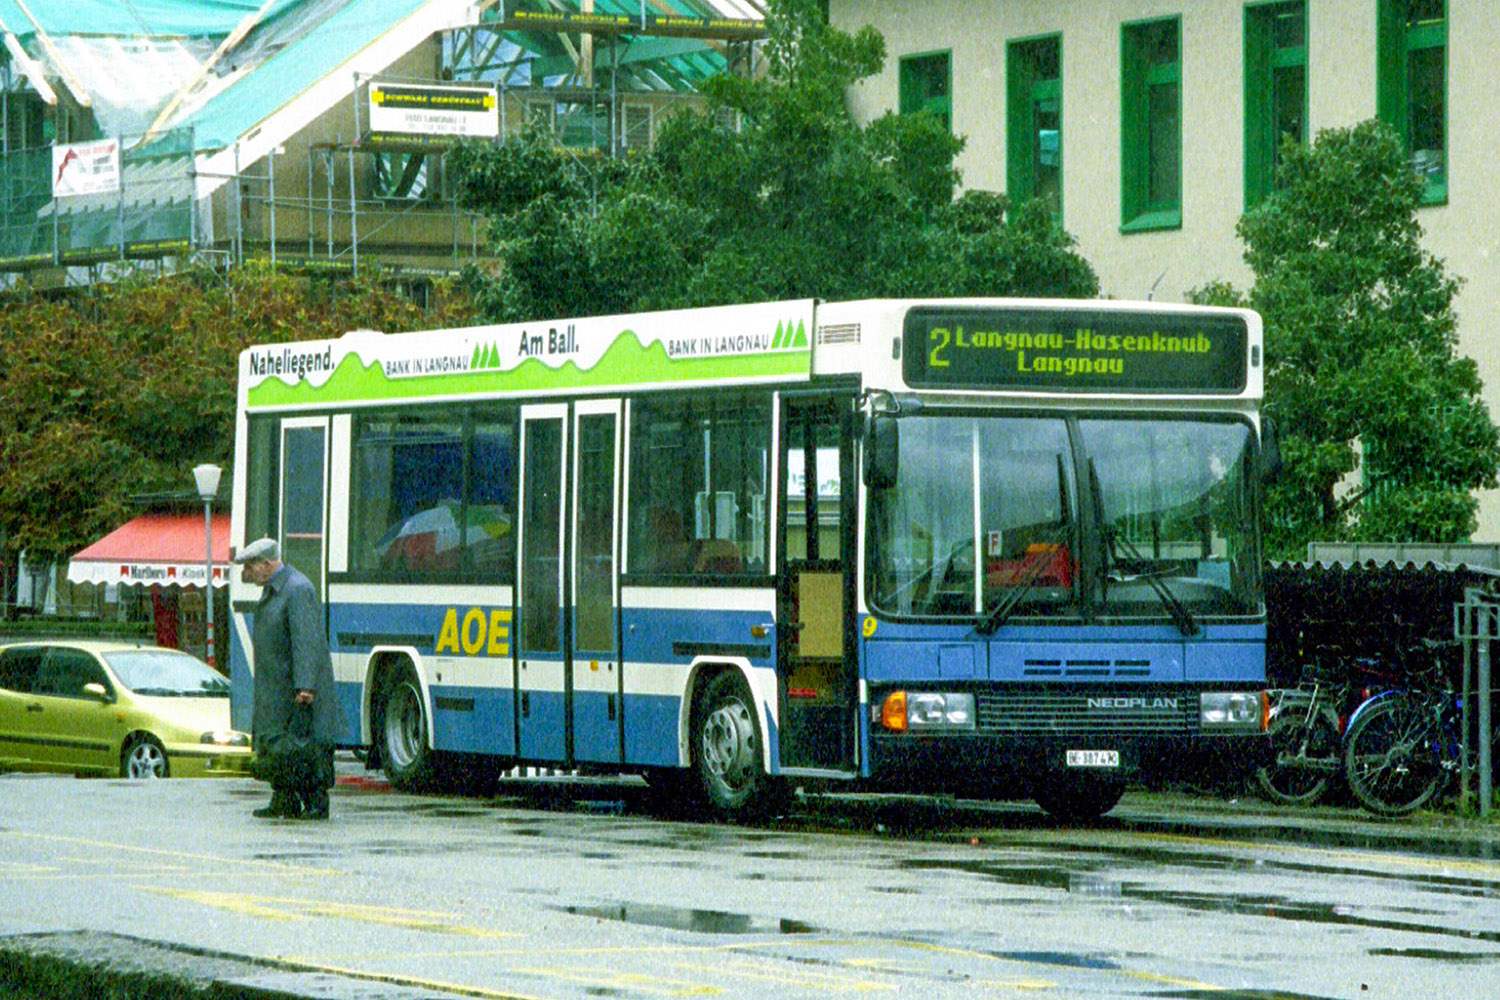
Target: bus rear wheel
727,750
407,759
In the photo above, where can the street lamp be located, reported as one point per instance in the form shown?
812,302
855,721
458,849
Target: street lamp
207,478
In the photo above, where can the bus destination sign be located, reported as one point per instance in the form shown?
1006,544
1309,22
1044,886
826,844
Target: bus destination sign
1083,350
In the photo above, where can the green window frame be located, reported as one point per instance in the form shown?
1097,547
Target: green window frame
1033,127
1275,90
926,84
1151,125
1412,86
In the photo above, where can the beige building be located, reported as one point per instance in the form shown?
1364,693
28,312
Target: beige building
1152,122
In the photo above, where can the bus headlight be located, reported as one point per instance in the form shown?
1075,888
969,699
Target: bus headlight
1231,711
927,711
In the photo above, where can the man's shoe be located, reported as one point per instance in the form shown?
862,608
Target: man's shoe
282,806
314,802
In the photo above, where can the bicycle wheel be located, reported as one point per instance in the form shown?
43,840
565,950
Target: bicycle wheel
1393,757
1305,757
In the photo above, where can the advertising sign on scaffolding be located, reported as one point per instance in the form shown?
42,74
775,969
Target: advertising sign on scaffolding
86,168
433,110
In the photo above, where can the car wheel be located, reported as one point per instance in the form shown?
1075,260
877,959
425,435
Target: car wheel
143,757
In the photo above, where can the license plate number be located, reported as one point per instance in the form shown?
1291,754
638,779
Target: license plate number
1093,758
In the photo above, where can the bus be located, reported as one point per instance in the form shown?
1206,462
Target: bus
988,547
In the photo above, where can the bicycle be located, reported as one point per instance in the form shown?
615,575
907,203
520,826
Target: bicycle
1403,746
1306,731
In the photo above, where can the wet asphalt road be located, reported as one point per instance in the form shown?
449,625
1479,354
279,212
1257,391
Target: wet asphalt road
562,889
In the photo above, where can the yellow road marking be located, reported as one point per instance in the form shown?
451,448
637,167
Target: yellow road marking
268,867
460,989
282,908
639,982
825,981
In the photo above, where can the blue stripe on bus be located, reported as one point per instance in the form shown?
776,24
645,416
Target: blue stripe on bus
473,719
651,730
1150,655
680,635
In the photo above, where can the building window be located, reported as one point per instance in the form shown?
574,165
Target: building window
1413,86
1033,129
926,85
1151,126
1275,90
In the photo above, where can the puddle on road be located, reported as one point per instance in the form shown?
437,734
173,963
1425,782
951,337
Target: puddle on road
1438,955
1085,880
682,919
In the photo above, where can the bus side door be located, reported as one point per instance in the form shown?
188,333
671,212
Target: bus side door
542,632
816,681
594,691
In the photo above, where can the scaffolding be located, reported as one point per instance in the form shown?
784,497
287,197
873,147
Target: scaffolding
371,198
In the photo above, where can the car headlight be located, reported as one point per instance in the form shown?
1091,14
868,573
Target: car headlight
927,711
1232,711
225,738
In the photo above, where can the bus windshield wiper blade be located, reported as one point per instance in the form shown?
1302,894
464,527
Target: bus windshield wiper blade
1113,537
1031,568
1033,565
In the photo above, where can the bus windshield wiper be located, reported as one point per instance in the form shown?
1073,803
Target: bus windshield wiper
1035,562
1114,539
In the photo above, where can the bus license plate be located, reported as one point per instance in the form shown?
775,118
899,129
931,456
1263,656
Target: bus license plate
1093,758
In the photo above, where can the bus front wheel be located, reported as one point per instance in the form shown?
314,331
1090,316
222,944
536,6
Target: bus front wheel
727,750
1075,798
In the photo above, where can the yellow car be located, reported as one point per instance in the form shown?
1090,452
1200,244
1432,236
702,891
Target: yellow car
109,708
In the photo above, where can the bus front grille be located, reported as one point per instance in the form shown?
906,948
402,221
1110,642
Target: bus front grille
1170,713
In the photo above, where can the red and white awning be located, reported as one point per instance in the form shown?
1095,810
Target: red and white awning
163,549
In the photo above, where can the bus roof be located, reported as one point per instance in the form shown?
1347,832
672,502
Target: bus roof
761,342
1038,348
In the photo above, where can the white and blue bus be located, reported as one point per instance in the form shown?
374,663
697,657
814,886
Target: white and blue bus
993,547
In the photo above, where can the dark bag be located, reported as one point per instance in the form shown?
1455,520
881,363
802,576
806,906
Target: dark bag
291,759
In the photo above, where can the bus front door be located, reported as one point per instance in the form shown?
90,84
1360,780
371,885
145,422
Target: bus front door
541,632
304,463
817,690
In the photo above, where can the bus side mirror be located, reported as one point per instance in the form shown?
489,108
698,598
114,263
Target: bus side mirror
881,452
1270,451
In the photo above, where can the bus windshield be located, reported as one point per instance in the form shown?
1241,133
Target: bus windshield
1170,505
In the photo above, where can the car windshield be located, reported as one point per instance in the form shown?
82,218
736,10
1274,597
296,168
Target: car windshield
993,517
166,672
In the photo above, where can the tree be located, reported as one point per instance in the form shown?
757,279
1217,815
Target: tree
801,201
1362,369
121,391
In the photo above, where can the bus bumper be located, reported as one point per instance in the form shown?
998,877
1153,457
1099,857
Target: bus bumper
1012,766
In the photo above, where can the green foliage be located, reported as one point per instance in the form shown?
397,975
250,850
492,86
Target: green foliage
1361,364
121,392
800,202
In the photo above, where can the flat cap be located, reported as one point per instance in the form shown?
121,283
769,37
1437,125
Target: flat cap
260,550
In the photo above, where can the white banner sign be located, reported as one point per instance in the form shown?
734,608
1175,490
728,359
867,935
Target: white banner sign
86,168
409,109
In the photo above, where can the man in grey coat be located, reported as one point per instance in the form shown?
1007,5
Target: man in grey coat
293,680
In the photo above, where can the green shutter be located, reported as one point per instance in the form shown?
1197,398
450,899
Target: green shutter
1260,140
